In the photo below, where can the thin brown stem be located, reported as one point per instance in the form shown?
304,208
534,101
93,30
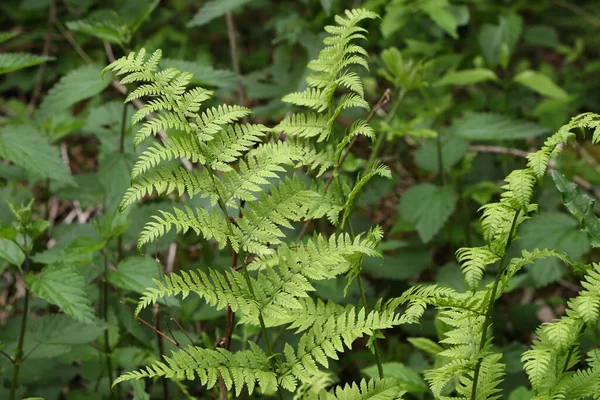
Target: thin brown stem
37,90
161,352
233,49
182,330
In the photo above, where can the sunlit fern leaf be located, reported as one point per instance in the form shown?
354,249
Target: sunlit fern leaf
182,147
382,389
305,125
473,261
231,143
208,225
244,368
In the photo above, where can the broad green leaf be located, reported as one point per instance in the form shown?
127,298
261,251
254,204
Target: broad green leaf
494,40
453,149
135,274
6,35
24,146
64,286
104,25
489,126
439,12
10,62
203,74
541,35
11,252
520,393
214,9
467,77
134,12
541,84
425,344
404,264
408,379
62,329
396,16
79,84
551,230
79,252
428,207
580,205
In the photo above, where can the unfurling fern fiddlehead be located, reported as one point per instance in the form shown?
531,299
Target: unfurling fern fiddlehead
237,164
469,357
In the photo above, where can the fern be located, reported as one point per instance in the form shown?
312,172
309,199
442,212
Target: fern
472,369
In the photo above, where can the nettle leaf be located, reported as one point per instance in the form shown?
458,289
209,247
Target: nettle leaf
214,9
104,25
24,146
62,329
467,77
498,42
79,84
135,274
453,149
428,208
406,378
439,12
64,286
203,74
490,126
541,84
11,252
580,205
551,230
10,62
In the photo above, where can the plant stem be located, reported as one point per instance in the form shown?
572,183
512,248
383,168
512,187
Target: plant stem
107,351
363,298
488,315
123,129
19,353
381,137
440,160
18,360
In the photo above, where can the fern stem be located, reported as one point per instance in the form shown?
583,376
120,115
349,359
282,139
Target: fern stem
572,349
18,360
107,351
488,315
363,298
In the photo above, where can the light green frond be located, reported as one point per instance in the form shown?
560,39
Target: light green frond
383,389
244,368
305,125
361,127
490,377
438,378
352,81
583,384
165,121
586,305
164,180
211,120
473,262
209,225
182,147
536,363
519,189
518,263
312,98
231,143
217,289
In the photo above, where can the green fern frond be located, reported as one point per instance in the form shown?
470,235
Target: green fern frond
220,290
231,144
209,225
519,189
382,389
473,261
312,98
212,119
586,306
305,125
183,147
245,368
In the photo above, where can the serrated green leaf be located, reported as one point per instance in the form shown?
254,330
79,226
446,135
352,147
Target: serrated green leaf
24,146
79,84
79,252
428,207
10,62
494,40
214,9
542,84
408,379
489,126
64,286
425,344
62,329
11,252
453,149
135,274
580,205
467,77
203,74
104,25
6,35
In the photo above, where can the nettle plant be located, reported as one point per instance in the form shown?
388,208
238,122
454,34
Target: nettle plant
246,171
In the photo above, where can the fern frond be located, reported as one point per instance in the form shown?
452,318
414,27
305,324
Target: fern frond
312,98
183,147
305,125
473,261
231,143
245,368
519,189
382,389
209,225
210,121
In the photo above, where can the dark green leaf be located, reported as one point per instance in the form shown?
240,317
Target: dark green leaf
11,252
489,126
214,9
